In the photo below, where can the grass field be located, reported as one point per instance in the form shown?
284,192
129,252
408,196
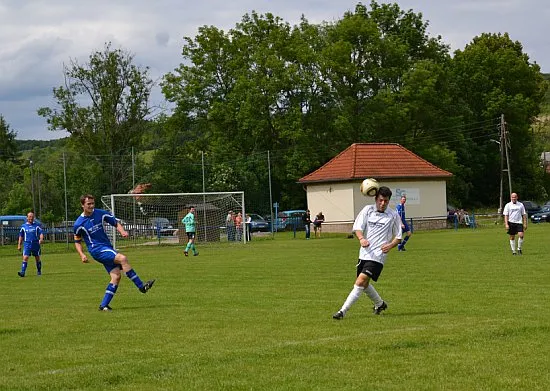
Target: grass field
464,314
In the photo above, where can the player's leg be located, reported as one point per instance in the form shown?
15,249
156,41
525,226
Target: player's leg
37,252
24,263
121,260
520,242
513,243
353,296
114,273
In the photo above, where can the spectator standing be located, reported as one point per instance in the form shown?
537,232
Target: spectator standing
248,228
32,237
239,227
230,226
306,219
319,220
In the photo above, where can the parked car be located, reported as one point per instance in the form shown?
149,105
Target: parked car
531,207
290,220
258,223
542,216
162,226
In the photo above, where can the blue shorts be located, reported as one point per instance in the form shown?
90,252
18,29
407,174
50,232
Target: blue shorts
106,256
31,249
406,227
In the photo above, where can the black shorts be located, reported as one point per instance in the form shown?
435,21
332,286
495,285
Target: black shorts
190,235
370,268
514,228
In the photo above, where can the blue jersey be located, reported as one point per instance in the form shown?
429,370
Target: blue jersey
400,209
90,228
30,232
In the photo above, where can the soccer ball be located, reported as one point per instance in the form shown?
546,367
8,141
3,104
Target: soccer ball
369,187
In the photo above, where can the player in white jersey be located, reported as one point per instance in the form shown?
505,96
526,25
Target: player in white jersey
515,221
378,229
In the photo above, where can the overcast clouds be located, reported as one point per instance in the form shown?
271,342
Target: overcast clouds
37,37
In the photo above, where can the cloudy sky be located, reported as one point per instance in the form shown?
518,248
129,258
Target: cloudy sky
37,37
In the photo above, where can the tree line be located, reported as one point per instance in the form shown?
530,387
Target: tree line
303,92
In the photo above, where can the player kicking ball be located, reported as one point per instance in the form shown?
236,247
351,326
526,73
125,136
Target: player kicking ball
89,227
378,229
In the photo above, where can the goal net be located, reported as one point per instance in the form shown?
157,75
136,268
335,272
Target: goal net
156,218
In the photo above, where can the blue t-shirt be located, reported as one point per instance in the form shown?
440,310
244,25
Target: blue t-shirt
400,209
30,232
90,228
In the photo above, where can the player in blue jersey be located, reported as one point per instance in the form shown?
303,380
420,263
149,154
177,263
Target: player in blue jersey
89,227
31,236
190,229
400,209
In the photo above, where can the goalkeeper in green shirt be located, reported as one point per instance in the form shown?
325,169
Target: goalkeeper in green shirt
189,221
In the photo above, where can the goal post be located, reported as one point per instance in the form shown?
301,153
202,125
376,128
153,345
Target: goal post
156,218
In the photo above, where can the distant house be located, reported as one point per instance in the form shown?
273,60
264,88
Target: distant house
334,187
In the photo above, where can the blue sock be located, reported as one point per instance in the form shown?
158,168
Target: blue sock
23,267
132,275
404,241
39,267
109,294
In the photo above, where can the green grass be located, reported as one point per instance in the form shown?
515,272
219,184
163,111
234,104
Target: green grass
463,315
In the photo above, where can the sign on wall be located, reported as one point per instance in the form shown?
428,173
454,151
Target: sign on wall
413,195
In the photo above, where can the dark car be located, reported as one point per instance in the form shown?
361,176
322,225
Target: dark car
542,216
531,207
290,220
258,223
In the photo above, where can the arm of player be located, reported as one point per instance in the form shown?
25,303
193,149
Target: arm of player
19,241
121,230
362,240
386,247
80,251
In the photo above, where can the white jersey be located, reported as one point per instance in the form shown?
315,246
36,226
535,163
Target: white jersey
378,228
515,212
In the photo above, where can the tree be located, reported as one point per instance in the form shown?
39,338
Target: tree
493,77
8,145
104,105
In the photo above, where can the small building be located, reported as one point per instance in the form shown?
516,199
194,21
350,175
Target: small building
334,188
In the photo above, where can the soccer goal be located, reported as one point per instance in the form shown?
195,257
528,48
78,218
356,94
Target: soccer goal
156,218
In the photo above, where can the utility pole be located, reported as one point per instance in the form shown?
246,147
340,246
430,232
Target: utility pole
504,147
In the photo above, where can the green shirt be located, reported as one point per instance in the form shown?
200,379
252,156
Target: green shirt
189,221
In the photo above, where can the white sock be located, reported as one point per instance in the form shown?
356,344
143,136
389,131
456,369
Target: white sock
513,245
520,242
352,298
373,295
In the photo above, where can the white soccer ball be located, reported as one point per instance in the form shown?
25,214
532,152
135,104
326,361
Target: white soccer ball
369,187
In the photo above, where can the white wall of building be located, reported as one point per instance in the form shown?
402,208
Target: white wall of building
340,202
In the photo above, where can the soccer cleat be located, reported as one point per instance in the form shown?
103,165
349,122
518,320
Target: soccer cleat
378,310
195,254
21,274
185,253
338,316
519,252
106,308
38,273
148,285
514,253
402,249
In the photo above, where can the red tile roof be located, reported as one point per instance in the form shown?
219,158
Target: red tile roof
380,161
